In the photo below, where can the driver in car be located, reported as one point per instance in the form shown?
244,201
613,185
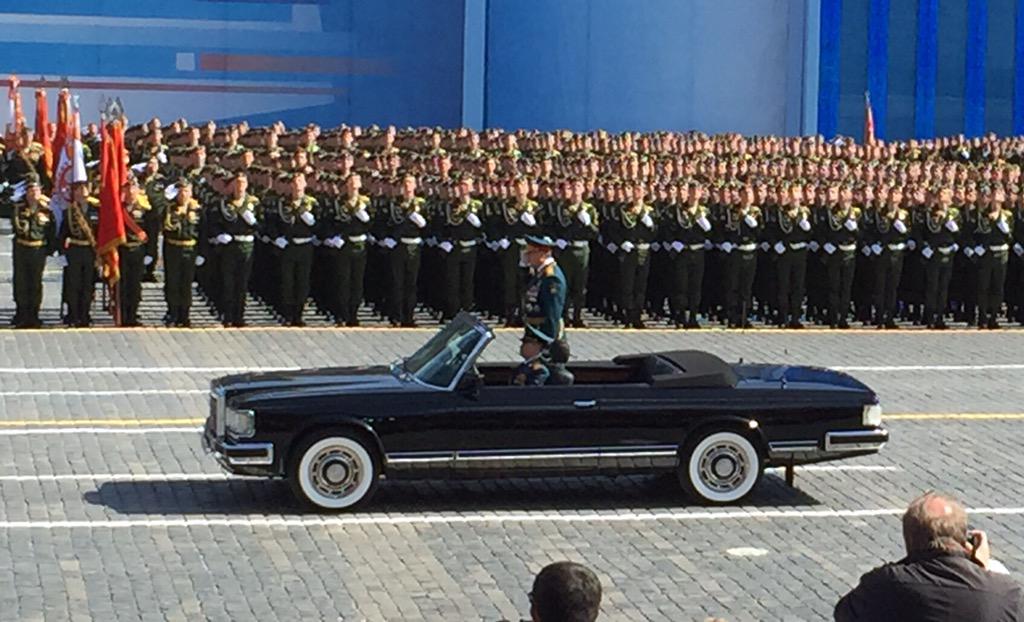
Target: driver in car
532,372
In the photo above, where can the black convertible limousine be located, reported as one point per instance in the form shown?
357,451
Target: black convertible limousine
335,432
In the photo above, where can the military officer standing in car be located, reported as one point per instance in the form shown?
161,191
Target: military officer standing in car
544,306
34,239
232,227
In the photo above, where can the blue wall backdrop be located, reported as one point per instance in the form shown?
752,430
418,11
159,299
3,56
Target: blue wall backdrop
933,67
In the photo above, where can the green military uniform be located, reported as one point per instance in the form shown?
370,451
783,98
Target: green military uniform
683,233
291,227
232,228
78,238
153,222
344,229
939,237
992,239
181,238
838,239
131,257
887,237
405,221
629,239
574,227
458,237
34,237
788,232
740,232
507,229
543,307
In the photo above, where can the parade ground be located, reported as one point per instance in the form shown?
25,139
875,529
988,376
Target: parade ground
109,508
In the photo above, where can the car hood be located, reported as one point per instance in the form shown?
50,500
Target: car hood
286,383
797,376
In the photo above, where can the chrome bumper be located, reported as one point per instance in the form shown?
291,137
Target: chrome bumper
241,454
834,445
856,440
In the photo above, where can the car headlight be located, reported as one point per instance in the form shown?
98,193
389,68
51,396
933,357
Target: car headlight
240,423
872,415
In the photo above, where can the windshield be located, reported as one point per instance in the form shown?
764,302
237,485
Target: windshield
439,360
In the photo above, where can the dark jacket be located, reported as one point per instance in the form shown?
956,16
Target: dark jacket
934,586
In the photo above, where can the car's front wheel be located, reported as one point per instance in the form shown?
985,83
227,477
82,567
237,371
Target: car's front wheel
719,467
335,472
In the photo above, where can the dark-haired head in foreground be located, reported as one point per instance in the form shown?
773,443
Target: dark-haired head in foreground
565,592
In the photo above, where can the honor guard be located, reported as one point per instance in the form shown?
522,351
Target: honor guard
576,225
132,252
78,239
886,237
788,233
740,233
838,238
992,238
460,231
344,230
34,239
291,227
518,217
181,237
406,219
683,235
629,238
939,239
232,228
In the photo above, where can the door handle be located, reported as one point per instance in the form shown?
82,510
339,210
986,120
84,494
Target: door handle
585,403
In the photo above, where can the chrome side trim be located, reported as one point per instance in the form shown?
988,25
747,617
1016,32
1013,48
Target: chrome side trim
263,460
559,453
856,440
792,447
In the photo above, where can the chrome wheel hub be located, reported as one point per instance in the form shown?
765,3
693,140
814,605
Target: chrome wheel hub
723,467
336,472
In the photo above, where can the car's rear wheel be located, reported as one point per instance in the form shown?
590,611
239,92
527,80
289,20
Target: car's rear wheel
335,472
719,467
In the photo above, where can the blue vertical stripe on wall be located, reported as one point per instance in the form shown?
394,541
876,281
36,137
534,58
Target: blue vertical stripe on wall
927,54
878,62
974,78
1018,71
828,67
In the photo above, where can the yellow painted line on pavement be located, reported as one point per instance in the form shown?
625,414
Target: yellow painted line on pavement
953,416
128,423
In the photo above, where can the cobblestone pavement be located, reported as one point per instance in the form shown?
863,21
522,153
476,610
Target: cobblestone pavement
110,510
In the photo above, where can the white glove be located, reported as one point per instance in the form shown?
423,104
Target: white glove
648,221
62,260
969,251
561,244
656,246
418,219
814,246
528,219
911,244
171,192
473,219
223,238
704,223
899,226
727,247
829,247
431,241
200,260
249,217
1017,248
779,247
612,247
927,252
1005,228
677,246
281,243
147,260
850,224
362,215
584,217
390,243
804,224
337,241
876,248
627,246
750,220
979,250
764,246
866,251
708,245
952,226
446,246
161,157
504,243
308,218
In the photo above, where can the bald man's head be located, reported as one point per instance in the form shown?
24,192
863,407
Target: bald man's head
935,521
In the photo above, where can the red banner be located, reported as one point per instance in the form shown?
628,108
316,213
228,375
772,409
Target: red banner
42,133
111,216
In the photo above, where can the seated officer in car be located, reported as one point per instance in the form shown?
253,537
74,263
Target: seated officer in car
532,372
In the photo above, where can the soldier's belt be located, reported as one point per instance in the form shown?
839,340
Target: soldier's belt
746,248
243,238
798,246
355,239
945,250
415,241
467,243
301,240
181,243
77,242
643,246
133,245
30,243
580,243
897,247
999,248
848,247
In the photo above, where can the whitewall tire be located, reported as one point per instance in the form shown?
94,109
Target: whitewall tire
333,473
719,467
